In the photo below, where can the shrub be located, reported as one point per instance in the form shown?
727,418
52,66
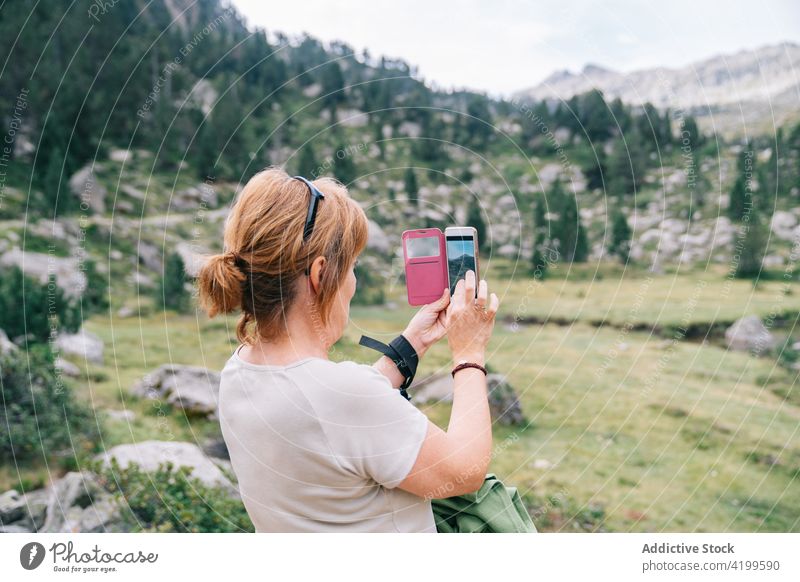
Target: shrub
171,500
29,308
38,413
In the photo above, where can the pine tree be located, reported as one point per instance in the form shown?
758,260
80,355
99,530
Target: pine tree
411,187
754,246
475,219
171,292
307,164
620,237
538,260
741,196
573,244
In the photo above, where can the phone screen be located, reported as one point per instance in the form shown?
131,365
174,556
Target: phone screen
460,258
427,246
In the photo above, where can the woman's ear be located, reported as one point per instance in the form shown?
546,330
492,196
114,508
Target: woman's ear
316,273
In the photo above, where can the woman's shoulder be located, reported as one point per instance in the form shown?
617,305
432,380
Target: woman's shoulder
348,376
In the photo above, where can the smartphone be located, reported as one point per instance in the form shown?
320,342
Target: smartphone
425,265
461,243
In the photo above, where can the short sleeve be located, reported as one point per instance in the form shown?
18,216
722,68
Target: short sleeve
375,432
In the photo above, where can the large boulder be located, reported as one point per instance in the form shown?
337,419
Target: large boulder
84,185
78,504
504,404
377,239
83,344
6,345
748,334
191,388
40,266
150,454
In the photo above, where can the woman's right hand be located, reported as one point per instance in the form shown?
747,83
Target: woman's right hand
469,326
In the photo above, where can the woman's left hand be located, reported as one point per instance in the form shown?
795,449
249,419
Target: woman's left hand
428,325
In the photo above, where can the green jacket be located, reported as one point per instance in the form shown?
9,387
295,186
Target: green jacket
494,508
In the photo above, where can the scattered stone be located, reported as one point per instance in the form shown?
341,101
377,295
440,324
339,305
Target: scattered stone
124,312
77,503
749,334
123,415
377,239
84,185
217,449
150,454
67,368
41,265
82,344
503,401
191,388
193,258
783,224
542,464
119,155
12,507
6,345
202,196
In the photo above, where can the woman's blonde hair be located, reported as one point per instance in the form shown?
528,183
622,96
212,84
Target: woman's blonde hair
265,254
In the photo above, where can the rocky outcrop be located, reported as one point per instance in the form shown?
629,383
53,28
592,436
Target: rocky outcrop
503,401
83,344
6,345
749,334
148,455
84,185
195,390
40,266
77,503
74,503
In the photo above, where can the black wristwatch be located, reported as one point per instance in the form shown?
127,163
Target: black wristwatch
402,353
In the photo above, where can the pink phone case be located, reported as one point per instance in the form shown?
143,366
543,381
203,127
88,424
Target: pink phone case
426,276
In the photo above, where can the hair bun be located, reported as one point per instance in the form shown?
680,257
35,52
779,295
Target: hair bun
220,281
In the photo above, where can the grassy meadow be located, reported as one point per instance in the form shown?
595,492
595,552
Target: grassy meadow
632,425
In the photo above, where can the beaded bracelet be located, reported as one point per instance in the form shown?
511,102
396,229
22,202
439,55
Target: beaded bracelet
468,365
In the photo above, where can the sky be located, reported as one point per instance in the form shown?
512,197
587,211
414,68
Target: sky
501,46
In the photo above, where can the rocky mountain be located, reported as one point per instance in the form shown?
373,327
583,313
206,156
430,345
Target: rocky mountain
730,91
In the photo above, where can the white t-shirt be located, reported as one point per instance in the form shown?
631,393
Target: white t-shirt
321,446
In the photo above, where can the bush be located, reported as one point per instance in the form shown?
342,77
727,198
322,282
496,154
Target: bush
39,415
171,500
171,291
30,308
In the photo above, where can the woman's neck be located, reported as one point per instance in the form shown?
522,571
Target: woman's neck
300,343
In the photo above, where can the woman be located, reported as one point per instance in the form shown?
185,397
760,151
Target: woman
319,445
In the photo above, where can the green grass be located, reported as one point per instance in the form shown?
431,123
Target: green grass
645,436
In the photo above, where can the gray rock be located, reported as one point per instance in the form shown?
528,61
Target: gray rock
126,415
748,334
503,401
84,185
12,507
197,197
41,265
82,344
377,239
6,345
14,529
150,256
193,257
149,454
67,368
783,223
35,510
194,389
77,503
